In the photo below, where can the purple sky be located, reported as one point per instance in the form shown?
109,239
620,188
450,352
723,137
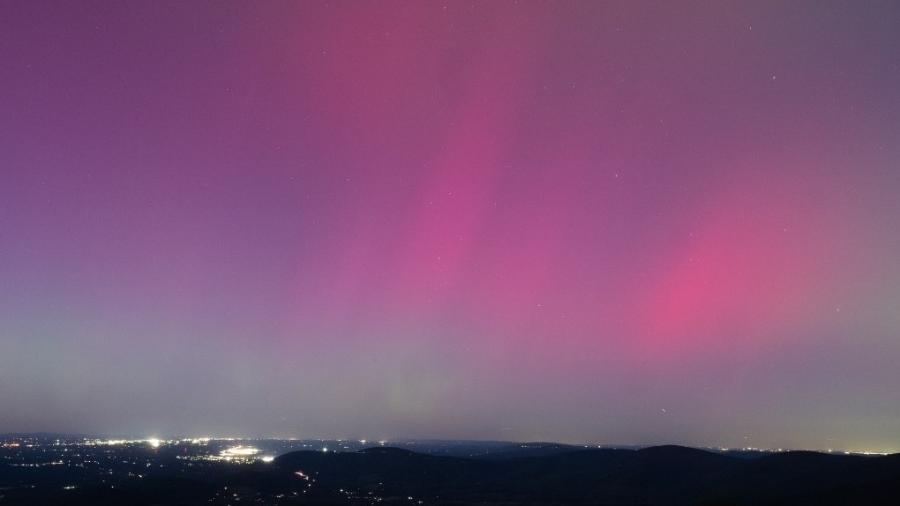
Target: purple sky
623,222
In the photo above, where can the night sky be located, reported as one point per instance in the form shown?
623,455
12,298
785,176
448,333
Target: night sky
590,221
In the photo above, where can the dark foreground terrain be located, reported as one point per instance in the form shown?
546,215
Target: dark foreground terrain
384,475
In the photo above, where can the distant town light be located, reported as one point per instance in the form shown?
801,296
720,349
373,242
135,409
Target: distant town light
239,451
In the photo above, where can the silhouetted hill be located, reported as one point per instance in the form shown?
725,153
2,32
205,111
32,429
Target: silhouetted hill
656,475
534,449
662,475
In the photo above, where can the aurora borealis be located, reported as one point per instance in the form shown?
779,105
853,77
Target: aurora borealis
613,222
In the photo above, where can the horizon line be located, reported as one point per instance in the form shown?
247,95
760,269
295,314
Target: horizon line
171,439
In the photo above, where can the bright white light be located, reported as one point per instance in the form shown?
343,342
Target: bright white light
154,442
362,441
325,449
267,459
240,451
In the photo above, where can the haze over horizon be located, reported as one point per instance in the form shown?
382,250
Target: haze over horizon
605,222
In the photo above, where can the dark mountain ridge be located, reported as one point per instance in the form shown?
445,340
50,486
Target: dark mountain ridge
655,475
661,475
